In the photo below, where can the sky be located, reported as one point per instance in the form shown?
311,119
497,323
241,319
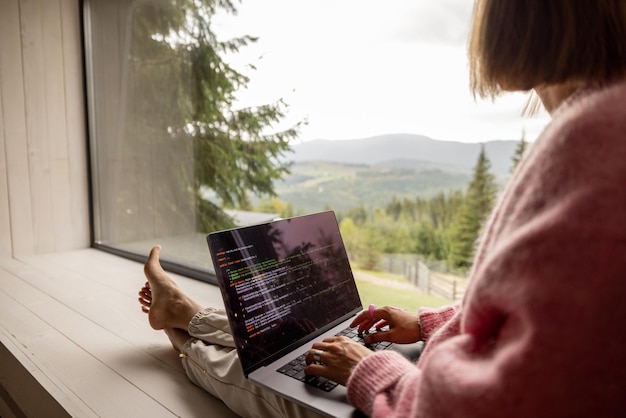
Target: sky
360,68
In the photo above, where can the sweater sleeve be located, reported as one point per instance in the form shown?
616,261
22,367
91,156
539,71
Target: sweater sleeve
431,319
378,382
539,332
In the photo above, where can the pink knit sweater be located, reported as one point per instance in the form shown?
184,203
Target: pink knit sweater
542,329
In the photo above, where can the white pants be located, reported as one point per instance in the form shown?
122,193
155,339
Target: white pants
211,362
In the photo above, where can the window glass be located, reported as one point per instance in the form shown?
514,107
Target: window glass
141,173
173,157
200,109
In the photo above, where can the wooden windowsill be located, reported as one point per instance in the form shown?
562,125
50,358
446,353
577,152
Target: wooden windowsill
73,342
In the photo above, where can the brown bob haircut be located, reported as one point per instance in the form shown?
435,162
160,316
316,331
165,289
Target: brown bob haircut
522,44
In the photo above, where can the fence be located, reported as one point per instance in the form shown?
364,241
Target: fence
426,279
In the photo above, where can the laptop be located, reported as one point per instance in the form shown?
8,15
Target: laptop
286,283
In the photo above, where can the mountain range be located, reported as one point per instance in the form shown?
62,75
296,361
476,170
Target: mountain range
408,151
372,171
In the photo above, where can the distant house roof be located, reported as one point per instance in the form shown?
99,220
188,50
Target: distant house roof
242,217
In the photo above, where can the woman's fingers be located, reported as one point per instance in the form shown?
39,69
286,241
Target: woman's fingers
334,358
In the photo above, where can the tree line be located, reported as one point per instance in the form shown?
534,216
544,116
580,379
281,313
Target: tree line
445,227
442,228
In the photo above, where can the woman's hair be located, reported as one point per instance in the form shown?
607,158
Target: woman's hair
522,44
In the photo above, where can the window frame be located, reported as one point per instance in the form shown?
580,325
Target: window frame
188,270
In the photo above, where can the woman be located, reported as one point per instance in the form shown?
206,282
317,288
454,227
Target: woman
539,330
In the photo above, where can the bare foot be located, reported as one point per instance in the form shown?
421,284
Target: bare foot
165,303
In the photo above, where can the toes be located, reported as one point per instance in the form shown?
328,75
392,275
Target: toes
153,258
153,268
154,252
145,302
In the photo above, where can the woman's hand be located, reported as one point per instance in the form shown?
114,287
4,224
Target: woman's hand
404,327
334,358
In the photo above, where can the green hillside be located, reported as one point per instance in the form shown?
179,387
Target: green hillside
316,185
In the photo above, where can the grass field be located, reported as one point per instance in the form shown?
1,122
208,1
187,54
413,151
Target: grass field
381,293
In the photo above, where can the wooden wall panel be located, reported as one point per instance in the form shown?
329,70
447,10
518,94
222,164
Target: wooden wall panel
14,117
76,124
5,218
43,127
38,132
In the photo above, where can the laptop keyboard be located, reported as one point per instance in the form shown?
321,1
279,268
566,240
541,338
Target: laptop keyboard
295,368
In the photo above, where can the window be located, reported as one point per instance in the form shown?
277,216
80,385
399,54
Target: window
161,163
168,149
140,175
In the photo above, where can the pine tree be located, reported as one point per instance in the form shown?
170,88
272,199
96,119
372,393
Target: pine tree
473,213
520,149
236,151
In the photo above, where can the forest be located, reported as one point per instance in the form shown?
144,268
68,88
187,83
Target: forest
443,227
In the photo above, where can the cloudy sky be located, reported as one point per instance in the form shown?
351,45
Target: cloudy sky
359,68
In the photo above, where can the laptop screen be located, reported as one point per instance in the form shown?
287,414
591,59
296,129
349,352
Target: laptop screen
281,281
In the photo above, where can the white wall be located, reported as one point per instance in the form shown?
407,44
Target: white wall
43,157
